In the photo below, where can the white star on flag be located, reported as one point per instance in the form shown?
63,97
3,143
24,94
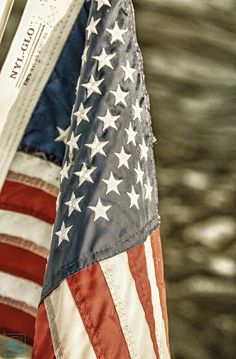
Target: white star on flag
112,184
116,33
102,3
81,114
92,86
64,171
137,111
100,210
148,190
139,174
133,198
144,150
73,204
85,174
62,134
120,95
91,28
131,134
108,120
97,146
104,59
128,71
63,233
123,158
72,143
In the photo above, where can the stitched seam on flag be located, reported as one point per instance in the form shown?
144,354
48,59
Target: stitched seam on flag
18,305
140,231
160,326
24,244
160,283
121,312
131,19
33,182
88,321
26,210
53,329
142,287
83,262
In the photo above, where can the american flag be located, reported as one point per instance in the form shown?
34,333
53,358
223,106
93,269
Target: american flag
103,294
28,198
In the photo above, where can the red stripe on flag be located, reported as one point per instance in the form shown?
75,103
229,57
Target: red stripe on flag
16,321
20,262
94,301
28,200
43,348
138,268
159,270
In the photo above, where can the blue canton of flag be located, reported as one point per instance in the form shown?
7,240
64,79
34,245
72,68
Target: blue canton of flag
107,201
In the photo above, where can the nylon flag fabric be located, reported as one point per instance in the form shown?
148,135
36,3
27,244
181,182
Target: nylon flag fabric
28,197
103,294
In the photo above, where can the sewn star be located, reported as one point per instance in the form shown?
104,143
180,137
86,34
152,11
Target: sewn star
108,120
97,146
131,134
85,174
123,158
104,59
72,143
112,184
100,210
81,114
148,190
144,150
117,33
63,233
120,95
92,86
133,198
65,171
128,71
62,134
91,28
137,111
73,204
139,174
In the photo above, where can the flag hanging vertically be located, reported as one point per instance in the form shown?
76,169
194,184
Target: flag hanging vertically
103,294
28,196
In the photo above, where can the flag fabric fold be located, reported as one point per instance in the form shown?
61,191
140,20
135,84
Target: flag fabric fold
103,294
108,201
28,196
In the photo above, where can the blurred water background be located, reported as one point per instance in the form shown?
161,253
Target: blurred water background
189,52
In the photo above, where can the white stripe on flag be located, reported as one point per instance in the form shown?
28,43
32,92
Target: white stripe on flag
19,289
69,336
130,311
27,227
35,167
159,323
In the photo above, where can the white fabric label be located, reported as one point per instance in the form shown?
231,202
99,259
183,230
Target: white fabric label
43,30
